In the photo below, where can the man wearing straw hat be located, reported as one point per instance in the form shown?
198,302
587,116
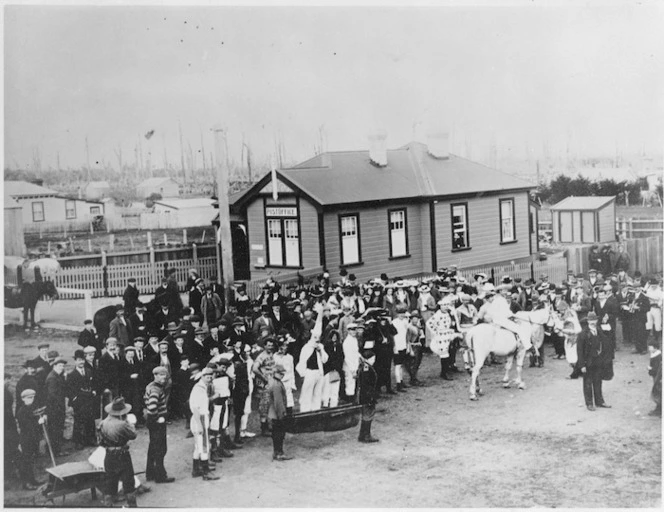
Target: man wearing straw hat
115,432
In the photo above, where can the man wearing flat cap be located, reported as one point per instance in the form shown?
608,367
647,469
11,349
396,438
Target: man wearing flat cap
88,337
115,431
56,401
30,436
82,397
264,322
139,323
130,296
156,413
42,364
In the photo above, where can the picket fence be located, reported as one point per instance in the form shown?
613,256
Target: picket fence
111,280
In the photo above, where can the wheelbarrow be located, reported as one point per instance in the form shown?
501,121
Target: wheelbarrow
324,420
71,478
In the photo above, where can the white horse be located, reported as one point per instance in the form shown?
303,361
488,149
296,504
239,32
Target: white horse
486,338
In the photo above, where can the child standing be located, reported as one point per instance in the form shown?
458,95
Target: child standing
30,435
277,412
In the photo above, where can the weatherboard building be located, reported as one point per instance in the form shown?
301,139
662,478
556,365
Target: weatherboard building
401,212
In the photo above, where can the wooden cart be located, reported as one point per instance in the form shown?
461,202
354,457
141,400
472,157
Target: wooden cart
71,478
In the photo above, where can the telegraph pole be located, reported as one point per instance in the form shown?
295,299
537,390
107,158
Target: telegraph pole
225,241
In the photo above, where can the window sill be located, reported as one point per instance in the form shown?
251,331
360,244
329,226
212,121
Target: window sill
404,257
278,267
352,265
461,249
510,242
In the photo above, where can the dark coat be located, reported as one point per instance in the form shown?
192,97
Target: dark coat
121,332
56,394
130,298
109,373
90,339
195,299
594,351
368,380
139,327
80,389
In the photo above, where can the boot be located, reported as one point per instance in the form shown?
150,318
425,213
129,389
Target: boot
196,471
533,360
265,429
363,432
367,437
389,389
207,475
228,442
131,500
443,370
238,439
223,452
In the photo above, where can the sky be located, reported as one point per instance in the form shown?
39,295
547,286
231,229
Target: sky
521,77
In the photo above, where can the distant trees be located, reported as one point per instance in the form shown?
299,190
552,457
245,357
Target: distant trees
563,186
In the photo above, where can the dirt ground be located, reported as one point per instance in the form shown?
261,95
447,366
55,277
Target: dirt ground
534,448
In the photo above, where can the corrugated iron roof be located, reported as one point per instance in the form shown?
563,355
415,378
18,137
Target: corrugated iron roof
350,177
583,202
25,188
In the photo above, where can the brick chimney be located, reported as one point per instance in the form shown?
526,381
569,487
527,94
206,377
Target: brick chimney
438,145
377,150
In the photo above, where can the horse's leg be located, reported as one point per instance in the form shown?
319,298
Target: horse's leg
474,378
25,318
32,317
519,356
508,367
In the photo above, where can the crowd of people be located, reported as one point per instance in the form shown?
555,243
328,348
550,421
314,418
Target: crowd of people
299,348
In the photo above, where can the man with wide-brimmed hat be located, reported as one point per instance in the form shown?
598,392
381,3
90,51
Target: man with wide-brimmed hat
595,356
115,431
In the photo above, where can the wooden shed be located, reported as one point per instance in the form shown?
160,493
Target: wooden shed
584,219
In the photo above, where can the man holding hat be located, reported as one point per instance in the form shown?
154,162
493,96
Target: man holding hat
156,412
56,404
595,355
82,397
130,296
115,431
199,404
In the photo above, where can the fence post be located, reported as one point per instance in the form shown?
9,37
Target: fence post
165,240
105,280
149,238
152,258
194,253
630,227
184,236
89,245
111,242
103,258
92,229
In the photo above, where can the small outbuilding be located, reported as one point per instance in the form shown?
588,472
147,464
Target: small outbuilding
584,219
189,212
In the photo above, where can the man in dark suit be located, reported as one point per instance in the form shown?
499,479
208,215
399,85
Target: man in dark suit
56,401
162,319
264,321
82,397
88,337
42,368
131,387
595,355
197,350
109,369
119,329
607,309
130,296
138,322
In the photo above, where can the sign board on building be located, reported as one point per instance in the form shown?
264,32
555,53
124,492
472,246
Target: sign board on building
282,211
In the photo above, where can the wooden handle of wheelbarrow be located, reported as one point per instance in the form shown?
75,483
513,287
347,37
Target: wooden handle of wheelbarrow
48,441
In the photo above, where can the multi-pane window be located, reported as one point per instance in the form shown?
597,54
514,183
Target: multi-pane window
507,220
95,210
398,237
460,227
275,254
350,239
38,211
283,242
70,209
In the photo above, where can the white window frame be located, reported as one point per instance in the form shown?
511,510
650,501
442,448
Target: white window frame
461,227
275,238
507,221
397,224
349,236
34,218
68,203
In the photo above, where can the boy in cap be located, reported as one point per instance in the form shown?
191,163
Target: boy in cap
56,399
82,398
30,434
115,431
199,405
277,413
368,393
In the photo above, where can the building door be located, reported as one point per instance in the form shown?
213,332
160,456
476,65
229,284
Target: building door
565,220
576,226
292,243
240,252
588,227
